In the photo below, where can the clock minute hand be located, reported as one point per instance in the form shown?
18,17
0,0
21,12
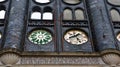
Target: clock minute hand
74,36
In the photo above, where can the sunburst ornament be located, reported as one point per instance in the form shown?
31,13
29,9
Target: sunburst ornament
40,37
76,37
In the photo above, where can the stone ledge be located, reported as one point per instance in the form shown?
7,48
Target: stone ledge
57,66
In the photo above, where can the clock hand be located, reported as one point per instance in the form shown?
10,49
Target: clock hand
74,35
78,39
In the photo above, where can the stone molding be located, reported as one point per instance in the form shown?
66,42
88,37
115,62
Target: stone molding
61,60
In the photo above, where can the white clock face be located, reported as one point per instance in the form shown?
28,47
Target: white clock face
76,37
40,37
118,37
0,35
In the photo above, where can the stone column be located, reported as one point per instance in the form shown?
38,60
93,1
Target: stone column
14,30
101,25
103,32
15,26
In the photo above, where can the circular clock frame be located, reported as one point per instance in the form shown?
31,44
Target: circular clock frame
75,37
40,37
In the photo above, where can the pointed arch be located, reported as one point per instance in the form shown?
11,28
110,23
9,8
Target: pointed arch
79,14
115,15
2,12
36,14
48,14
67,14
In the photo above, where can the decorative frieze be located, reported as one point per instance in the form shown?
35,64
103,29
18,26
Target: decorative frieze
61,60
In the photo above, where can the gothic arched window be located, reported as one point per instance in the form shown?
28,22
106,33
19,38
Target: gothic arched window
115,15
79,14
36,14
47,15
2,12
67,14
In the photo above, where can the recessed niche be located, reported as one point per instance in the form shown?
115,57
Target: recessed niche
36,13
36,16
79,14
48,13
2,14
67,14
47,16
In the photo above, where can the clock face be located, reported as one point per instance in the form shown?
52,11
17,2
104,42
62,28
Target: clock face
76,37
0,35
40,37
118,37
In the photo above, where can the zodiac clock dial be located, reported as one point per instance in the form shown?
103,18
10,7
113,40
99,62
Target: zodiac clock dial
76,37
40,37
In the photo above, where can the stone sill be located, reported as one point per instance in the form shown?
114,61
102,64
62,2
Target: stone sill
73,54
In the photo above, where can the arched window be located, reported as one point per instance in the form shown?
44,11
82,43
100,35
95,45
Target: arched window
2,12
79,14
115,15
42,1
114,2
67,14
47,15
36,14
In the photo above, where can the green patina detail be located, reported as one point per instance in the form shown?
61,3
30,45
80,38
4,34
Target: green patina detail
40,37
